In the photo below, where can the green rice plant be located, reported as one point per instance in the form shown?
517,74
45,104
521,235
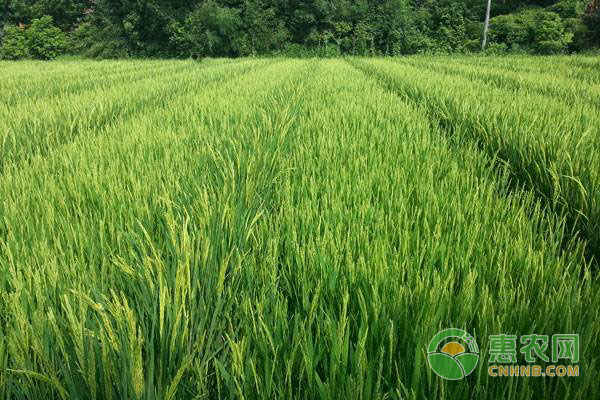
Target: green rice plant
96,76
164,295
573,92
25,72
12,69
386,234
548,147
16,91
274,229
580,68
34,129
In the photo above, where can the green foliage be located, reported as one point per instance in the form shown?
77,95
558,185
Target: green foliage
104,43
451,32
4,14
294,50
510,30
496,48
550,35
44,40
233,28
568,8
534,29
65,13
263,31
213,30
41,40
580,32
592,21
293,229
562,159
14,44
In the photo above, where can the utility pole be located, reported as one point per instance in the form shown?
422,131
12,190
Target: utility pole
487,24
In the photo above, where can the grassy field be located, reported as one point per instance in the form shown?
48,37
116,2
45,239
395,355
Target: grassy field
294,229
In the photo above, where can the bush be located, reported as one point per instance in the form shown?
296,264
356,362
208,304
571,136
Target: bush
212,30
509,30
566,9
106,43
331,50
41,40
496,49
14,46
550,34
535,29
44,40
580,33
592,21
472,45
295,50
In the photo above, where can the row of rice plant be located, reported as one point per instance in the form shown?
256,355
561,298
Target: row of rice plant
35,128
38,86
291,231
22,70
118,280
387,233
548,147
44,71
582,68
574,92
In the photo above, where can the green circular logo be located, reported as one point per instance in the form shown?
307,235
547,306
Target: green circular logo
453,354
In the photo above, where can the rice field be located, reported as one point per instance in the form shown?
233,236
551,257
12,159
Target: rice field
294,229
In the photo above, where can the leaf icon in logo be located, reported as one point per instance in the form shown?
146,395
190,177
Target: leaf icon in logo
452,361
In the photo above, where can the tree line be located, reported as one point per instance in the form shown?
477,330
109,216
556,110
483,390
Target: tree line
232,28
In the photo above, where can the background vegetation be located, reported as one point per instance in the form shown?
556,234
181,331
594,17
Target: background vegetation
202,28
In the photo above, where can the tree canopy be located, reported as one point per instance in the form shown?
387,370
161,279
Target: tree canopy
202,28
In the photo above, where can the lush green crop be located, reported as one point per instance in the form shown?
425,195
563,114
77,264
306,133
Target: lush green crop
288,229
550,144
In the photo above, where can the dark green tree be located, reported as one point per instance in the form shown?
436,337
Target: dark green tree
184,28
14,46
214,30
264,30
44,40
